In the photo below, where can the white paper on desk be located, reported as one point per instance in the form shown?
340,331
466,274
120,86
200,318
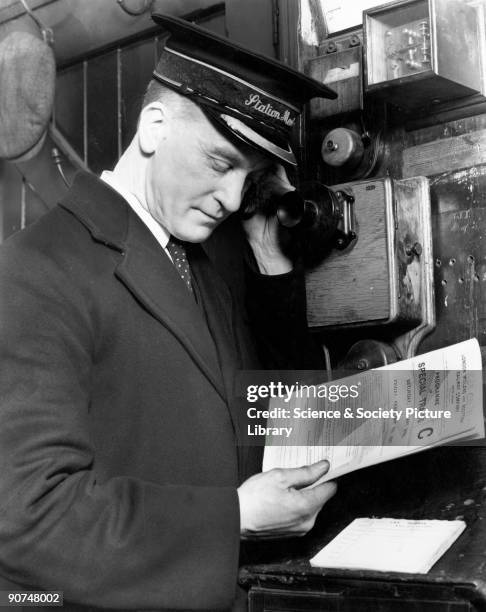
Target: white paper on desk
349,445
389,545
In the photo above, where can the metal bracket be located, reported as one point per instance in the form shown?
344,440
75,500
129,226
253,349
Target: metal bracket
346,229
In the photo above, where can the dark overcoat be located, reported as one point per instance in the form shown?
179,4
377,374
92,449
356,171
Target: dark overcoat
118,452
119,469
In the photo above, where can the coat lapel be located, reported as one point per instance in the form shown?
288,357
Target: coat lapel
145,270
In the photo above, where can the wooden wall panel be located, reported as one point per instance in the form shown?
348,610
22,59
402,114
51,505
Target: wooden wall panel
102,112
458,226
69,107
136,65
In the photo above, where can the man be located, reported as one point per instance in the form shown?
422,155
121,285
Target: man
120,480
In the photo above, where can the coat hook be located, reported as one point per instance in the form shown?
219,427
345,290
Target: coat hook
47,33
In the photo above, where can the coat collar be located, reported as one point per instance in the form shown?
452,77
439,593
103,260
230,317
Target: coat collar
101,209
145,269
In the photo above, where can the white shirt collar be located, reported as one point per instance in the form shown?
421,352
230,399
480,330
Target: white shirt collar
161,234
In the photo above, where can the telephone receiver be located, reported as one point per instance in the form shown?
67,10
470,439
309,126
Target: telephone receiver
318,218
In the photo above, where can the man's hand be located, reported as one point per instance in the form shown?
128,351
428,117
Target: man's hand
275,504
262,230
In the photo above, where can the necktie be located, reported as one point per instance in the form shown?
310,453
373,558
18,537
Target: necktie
178,253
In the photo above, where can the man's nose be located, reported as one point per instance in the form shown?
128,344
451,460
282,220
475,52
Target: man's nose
231,192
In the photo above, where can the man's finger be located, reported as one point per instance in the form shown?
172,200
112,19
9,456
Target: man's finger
317,496
307,474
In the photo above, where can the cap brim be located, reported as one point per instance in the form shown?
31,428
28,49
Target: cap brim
242,132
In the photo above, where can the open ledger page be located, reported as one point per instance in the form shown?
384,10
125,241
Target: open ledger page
429,400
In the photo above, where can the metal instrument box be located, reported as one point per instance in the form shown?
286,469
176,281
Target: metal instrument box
422,52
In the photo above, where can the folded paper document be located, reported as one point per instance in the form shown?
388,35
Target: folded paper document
406,407
389,545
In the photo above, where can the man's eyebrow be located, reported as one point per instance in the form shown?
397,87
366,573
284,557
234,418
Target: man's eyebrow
219,151
236,158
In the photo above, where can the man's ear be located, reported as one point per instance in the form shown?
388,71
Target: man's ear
151,127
